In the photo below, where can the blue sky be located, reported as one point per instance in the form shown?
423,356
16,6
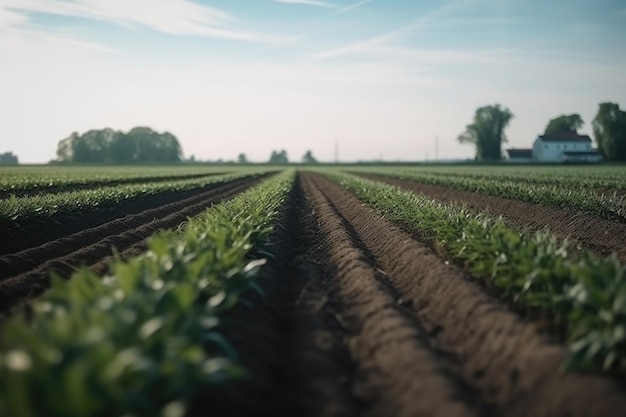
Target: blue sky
382,78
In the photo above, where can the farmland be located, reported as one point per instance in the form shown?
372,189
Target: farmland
325,291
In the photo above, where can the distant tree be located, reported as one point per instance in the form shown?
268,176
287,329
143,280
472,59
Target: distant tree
65,148
94,146
8,158
242,159
609,130
279,157
308,158
140,144
565,123
487,132
123,149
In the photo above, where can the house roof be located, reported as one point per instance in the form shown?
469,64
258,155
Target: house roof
564,137
520,153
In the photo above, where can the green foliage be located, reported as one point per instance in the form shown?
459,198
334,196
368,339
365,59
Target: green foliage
44,178
308,158
609,130
584,293
279,157
487,132
14,210
146,338
551,193
564,123
8,158
140,144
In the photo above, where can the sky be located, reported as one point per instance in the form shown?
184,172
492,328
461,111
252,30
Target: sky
376,79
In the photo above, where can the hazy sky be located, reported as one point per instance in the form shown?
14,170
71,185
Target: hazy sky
381,77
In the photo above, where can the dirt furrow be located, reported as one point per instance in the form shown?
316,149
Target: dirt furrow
289,338
36,232
28,259
60,188
594,233
515,369
397,371
92,246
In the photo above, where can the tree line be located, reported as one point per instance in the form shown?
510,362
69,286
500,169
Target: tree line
486,132
8,158
139,145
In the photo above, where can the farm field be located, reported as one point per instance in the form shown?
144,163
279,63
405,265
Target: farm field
343,291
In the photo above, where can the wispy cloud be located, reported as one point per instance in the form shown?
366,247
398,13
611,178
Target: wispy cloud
350,7
389,36
176,17
340,10
10,18
297,39
309,3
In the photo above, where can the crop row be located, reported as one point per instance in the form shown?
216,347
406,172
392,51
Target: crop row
584,294
592,176
17,209
44,178
608,206
608,183
145,339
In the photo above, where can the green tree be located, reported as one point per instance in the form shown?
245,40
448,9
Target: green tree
487,132
279,157
565,123
8,158
140,144
123,149
242,159
65,148
609,131
308,158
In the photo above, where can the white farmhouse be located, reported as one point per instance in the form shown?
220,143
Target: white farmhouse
565,147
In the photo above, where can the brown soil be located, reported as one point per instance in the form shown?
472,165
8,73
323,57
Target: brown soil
361,319
25,274
594,233
36,232
103,183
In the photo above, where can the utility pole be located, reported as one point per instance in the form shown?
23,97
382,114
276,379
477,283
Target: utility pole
336,151
436,148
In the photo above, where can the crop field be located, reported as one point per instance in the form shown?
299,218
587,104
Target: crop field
313,291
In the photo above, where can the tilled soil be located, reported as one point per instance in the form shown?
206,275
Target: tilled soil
25,274
59,188
357,318
361,319
33,233
594,233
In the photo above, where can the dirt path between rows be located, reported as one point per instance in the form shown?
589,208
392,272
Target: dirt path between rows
594,233
25,274
501,356
33,233
359,319
63,187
